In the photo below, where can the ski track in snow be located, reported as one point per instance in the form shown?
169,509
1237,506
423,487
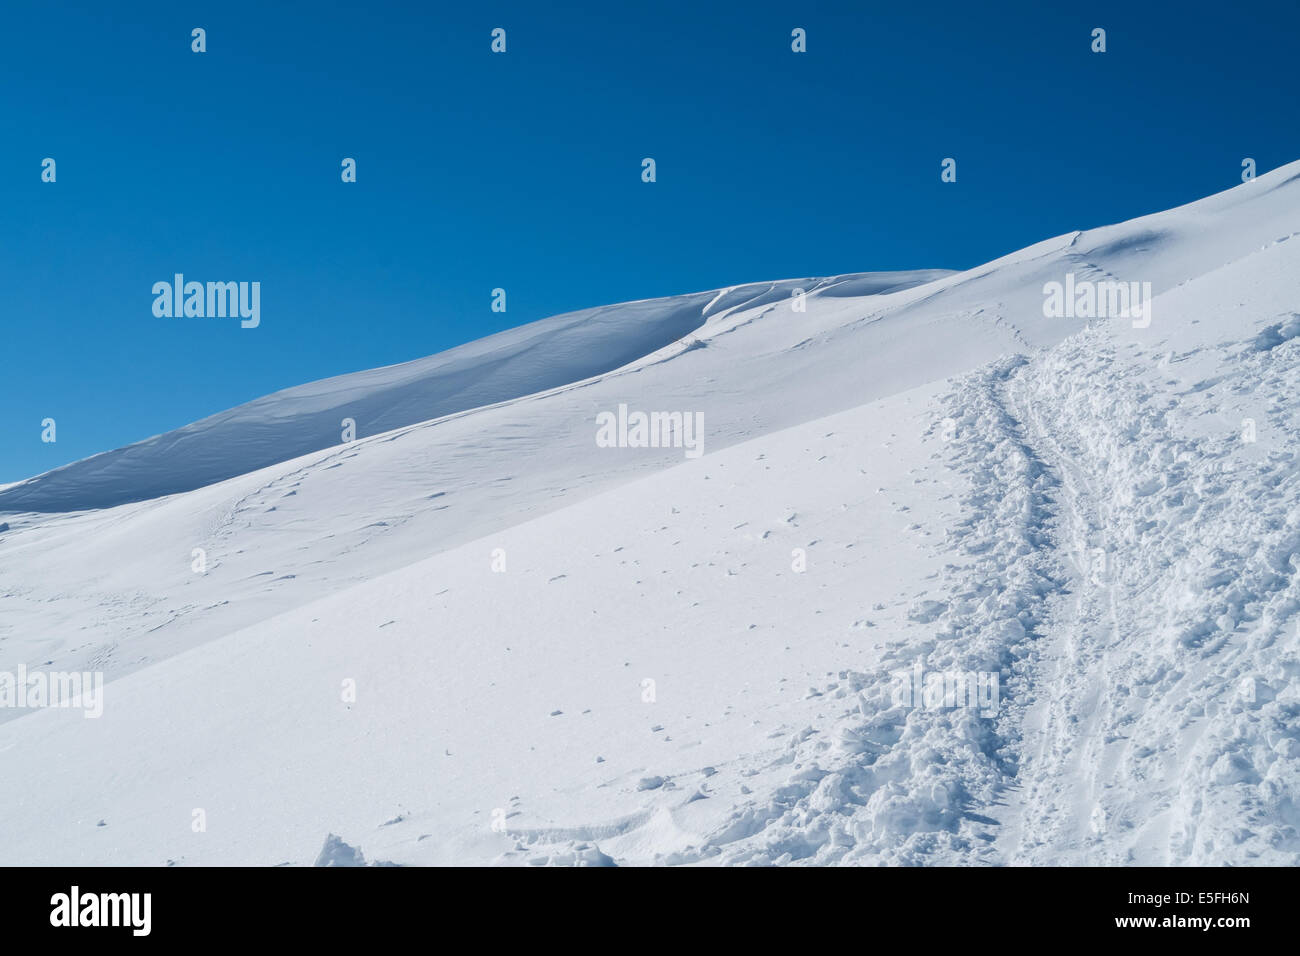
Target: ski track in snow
1084,700
886,784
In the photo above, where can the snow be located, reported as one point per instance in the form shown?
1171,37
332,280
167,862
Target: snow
474,636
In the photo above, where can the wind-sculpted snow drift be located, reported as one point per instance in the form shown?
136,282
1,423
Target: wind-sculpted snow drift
474,635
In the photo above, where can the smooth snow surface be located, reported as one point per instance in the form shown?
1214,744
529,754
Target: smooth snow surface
474,636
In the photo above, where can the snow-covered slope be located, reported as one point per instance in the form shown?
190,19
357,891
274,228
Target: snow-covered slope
522,361
474,635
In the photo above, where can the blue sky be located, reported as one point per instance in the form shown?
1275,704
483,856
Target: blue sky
522,170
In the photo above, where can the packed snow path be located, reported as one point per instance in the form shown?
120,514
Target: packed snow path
1141,680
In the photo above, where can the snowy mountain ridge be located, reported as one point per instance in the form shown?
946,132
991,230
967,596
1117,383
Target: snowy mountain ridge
550,353
564,653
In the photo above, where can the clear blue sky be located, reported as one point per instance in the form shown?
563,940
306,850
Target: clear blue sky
522,170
